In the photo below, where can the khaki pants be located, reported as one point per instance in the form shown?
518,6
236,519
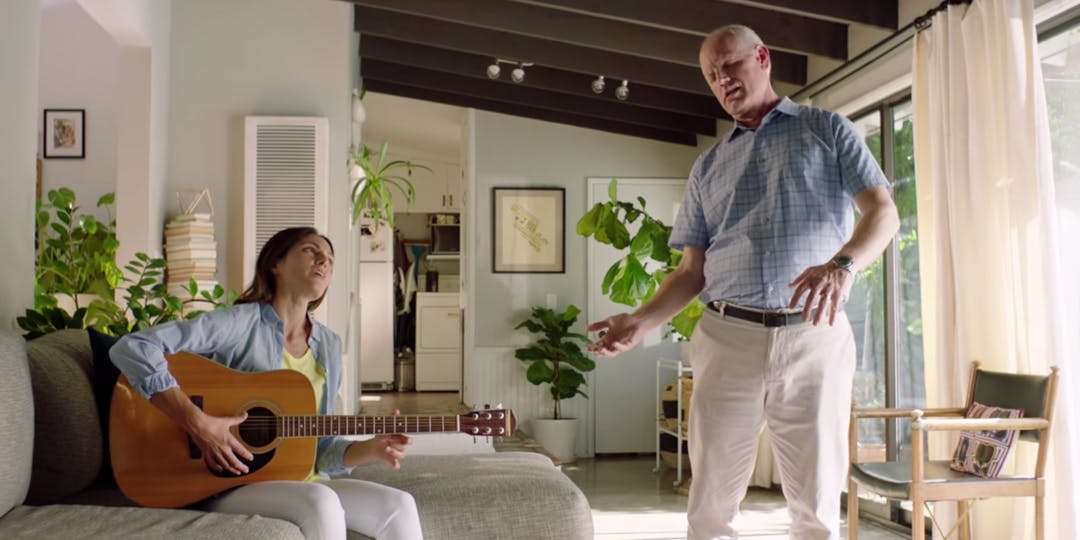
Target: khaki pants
796,380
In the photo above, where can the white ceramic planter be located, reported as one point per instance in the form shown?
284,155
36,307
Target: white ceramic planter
557,436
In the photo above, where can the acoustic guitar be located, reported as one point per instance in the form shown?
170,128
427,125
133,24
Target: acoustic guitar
156,464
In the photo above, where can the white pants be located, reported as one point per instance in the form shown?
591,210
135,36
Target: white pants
794,379
323,509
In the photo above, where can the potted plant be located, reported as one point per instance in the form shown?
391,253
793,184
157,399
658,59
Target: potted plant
633,279
557,360
76,253
373,177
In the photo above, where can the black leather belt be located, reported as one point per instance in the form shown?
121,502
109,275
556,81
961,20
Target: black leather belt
766,319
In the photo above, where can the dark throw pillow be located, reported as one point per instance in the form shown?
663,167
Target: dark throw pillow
104,380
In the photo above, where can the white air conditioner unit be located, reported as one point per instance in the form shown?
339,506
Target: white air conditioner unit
286,181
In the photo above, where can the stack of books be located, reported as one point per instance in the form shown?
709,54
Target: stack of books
190,253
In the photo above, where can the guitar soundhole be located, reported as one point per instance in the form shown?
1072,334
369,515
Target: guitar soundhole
260,428
257,431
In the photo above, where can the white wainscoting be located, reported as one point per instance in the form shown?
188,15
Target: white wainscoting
493,375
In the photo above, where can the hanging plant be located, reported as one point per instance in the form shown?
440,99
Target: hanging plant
373,178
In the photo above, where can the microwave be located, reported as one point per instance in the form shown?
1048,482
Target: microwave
445,239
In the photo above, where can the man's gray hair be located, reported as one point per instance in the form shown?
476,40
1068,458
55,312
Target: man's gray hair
744,34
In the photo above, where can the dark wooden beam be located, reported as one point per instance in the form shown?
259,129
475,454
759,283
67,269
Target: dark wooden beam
460,37
553,27
611,126
880,13
541,77
541,99
779,30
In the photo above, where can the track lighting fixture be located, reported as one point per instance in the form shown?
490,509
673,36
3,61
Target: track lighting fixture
623,91
517,74
598,85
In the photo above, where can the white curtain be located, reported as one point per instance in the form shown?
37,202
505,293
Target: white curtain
987,226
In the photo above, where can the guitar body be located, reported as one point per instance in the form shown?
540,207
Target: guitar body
155,463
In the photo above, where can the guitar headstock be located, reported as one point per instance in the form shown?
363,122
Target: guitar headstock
489,423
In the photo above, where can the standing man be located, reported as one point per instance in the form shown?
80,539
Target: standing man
769,244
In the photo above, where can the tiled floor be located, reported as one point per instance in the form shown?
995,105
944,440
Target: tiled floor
628,499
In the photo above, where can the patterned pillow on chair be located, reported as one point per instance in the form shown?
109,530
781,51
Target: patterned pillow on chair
983,453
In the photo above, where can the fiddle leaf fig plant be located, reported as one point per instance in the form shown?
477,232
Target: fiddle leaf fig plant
555,358
374,178
635,277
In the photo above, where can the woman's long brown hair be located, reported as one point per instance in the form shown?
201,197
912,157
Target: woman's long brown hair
264,285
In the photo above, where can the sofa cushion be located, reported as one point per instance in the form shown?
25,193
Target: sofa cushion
67,436
16,421
100,522
103,382
505,495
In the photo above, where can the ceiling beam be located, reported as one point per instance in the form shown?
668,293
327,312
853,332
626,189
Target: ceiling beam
880,13
779,30
541,77
525,111
540,99
572,30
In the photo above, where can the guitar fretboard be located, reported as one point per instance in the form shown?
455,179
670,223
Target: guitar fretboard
331,425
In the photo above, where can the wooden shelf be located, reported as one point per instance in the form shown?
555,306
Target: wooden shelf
443,256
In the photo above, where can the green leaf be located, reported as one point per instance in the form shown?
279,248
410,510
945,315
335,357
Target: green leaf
613,190
586,226
539,372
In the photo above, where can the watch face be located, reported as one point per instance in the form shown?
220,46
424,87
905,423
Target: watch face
843,261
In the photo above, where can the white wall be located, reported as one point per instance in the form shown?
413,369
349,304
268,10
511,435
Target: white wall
258,57
79,69
511,151
19,33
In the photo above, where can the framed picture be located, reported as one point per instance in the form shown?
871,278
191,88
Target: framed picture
528,230
64,133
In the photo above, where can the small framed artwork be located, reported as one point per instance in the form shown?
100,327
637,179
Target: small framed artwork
528,230
64,133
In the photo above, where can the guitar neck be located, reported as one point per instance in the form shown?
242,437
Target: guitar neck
291,426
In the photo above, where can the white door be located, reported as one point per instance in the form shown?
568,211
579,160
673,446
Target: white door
624,387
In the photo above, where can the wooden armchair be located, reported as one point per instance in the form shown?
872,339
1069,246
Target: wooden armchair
921,480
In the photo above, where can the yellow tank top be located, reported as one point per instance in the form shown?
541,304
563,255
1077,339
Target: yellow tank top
311,369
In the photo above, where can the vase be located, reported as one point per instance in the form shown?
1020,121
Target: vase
558,437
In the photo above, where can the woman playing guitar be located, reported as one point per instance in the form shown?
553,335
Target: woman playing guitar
271,328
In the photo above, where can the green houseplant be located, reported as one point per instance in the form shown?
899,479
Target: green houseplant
374,178
634,278
556,359
76,252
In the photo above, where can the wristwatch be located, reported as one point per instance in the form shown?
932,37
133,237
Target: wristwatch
843,261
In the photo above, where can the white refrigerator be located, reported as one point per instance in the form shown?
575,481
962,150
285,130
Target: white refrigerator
376,298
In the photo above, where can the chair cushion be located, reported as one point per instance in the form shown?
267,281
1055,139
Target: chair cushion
67,436
892,479
104,381
504,495
983,453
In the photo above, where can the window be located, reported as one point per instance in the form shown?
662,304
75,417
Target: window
885,306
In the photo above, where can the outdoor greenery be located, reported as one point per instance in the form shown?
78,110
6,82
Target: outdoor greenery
633,279
555,358
371,196
76,252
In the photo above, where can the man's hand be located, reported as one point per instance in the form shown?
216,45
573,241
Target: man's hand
618,333
213,435
825,287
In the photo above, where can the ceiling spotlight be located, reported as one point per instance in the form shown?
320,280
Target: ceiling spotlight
493,70
623,91
598,85
518,74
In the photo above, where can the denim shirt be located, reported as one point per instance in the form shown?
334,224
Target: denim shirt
245,337
766,203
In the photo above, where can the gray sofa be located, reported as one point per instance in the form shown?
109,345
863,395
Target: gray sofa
51,453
